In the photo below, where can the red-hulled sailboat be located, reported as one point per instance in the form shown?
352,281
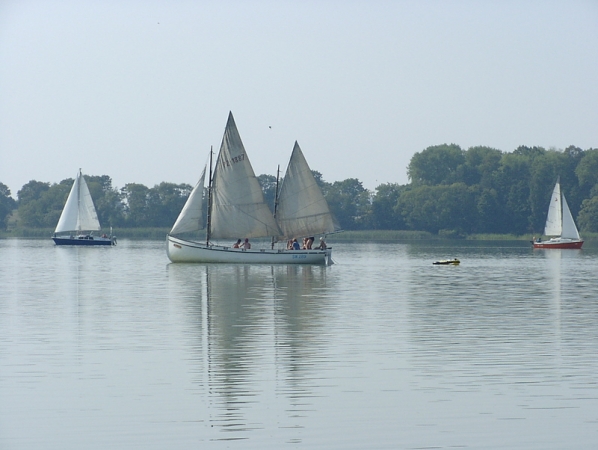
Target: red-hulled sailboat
560,224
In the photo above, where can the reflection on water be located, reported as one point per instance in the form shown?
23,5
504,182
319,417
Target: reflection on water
243,318
117,348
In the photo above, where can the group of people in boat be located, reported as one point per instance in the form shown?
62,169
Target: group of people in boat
246,245
292,244
308,242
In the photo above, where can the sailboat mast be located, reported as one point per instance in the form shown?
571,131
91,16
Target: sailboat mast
209,218
276,199
79,199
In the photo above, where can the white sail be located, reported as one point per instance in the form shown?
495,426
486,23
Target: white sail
79,213
554,220
569,228
238,207
191,216
302,209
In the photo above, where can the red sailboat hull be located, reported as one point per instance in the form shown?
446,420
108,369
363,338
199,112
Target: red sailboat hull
563,245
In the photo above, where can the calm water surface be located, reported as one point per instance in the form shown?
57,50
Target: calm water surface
116,348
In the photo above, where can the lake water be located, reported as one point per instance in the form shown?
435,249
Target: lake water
116,348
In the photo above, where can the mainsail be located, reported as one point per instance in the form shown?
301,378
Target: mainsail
79,213
238,207
302,209
191,216
554,220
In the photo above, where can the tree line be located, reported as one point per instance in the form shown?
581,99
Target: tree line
451,191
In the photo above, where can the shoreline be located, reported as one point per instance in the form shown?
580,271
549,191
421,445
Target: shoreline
362,235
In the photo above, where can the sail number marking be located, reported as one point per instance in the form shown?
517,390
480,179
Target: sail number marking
236,159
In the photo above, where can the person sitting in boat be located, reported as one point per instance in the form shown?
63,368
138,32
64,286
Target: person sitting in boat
246,245
237,244
309,242
322,245
290,244
296,245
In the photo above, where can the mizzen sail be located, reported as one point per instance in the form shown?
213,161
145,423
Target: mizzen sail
302,209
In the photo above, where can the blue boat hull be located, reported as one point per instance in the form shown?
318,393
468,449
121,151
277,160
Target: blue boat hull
83,240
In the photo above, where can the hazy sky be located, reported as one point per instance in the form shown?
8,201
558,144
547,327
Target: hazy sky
140,90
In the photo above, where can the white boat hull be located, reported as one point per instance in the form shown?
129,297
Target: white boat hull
183,251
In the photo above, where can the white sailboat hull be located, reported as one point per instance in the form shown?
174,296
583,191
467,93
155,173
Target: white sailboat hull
183,251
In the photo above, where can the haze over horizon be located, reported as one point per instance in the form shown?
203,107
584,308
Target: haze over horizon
140,90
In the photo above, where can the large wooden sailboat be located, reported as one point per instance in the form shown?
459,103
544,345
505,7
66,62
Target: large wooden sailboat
236,210
79,219
560,224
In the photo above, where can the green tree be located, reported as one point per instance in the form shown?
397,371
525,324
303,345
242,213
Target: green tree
32,212
350,203
436,165
489,211
7,204
107,200
268,184
136,207
587,173
512,186
588,216
164,203
435,208
31,191
479,166
384,214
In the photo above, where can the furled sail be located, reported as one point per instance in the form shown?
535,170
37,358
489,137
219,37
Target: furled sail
191,216
79,213
554,220
569,228
238,207
302,209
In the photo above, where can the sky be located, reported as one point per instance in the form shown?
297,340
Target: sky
140,90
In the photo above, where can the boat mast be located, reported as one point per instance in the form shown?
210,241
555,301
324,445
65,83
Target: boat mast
79,175
276,199
209,218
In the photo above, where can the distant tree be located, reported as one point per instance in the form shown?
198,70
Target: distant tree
31,191
324,186
587,172
436,165
350,203
479,166
588,216
490,211
7,204
135,197
268,184
435,208
39,205
165,202
107,200
384,201
511,182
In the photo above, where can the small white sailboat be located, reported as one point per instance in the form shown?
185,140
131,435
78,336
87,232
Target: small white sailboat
79,219
236,209
560,224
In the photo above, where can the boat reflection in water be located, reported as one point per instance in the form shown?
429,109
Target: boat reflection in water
253,331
